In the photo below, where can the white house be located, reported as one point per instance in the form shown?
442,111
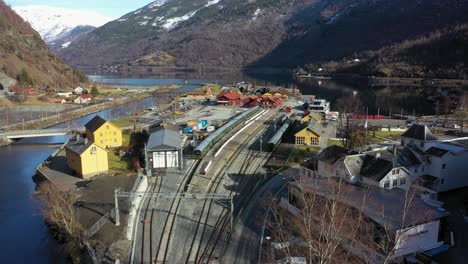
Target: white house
412,231
444,163
83,99
78,90
383,169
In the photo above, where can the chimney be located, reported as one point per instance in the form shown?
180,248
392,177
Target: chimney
77,137
394,150
377,155
86,141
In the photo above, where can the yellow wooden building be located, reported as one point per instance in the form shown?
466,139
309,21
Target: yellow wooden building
310,116
268,94
310,135
103,133
85,158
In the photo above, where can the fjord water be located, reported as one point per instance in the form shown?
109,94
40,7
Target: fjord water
377,98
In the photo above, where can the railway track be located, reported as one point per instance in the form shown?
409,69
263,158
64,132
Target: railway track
218,238
196,254
157,248
165,239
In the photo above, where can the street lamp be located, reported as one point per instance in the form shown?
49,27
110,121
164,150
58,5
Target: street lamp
268,243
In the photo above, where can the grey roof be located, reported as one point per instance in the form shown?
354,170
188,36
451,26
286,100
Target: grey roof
354,164
376,168
95,123
333,153
315,126
404,156
164,139
386,207
419,132
435,151
78,146
459,142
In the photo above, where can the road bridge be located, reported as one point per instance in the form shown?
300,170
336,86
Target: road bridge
15,135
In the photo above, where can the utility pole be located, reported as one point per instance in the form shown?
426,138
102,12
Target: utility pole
116,201
366,125
261,143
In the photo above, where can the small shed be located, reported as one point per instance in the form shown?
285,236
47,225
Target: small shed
164,149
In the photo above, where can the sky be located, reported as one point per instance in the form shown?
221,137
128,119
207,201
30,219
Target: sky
109,8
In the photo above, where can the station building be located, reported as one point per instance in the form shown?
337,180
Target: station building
164,150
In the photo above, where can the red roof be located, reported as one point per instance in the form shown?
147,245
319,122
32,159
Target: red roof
231,95
86,96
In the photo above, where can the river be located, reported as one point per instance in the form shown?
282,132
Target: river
25,237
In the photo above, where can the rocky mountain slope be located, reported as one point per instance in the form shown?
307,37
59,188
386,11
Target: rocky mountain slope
258,33
59,27
24,55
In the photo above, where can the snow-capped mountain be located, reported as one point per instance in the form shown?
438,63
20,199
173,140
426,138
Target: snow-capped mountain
59,26
262,33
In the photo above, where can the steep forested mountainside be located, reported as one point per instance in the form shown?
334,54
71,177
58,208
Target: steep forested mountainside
272,33
440,54
23,54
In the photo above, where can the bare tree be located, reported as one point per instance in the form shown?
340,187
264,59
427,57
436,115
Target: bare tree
58,208
461,116
351,135
324,225
334,230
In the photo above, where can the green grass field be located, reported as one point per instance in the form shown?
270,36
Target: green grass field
118,164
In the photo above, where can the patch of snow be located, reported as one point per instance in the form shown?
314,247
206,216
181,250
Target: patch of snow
143,23
65,45
51,22
147,17
137,12
122,20
255,15
212,2
156,21
171,23
156,4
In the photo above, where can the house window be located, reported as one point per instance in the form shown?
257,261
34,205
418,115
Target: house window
395,183
402,181
115,133
115,140
300,140
314,141
386,184
444,166
107,127
442,181
101,134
